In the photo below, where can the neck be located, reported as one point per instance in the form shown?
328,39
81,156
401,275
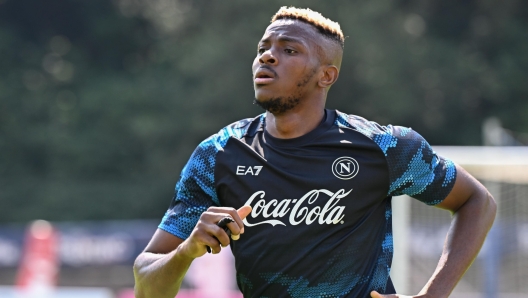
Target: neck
296,122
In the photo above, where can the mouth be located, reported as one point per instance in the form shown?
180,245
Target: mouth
264,76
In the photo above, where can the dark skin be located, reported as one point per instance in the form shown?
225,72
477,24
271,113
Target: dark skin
473,210
295,66
301,69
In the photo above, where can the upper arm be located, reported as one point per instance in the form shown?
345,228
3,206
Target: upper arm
414,168
194,192
162,242
465,187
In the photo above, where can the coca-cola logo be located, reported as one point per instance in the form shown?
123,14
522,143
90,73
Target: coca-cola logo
293,211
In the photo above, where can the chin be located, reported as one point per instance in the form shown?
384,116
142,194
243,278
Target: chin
277,105
263,96
260,98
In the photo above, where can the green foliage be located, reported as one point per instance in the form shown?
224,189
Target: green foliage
101,103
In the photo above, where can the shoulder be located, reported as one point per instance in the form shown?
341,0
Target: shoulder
360,124
414,168
236,130
385,136
198,173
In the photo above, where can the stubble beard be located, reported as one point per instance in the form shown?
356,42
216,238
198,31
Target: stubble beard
280,105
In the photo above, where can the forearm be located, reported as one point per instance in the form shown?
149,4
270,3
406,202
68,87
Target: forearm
160,275
469,227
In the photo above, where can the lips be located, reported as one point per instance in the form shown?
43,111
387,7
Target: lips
264,76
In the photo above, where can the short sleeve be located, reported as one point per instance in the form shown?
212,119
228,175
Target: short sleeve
414,168
196,189
194,192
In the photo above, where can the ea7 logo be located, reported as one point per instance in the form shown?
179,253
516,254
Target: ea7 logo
345,168
250,170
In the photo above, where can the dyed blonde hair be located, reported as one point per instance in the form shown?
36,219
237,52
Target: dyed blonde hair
326,27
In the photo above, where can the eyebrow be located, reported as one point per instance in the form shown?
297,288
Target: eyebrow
283,39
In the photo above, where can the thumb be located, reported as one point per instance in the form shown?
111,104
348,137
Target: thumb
244,211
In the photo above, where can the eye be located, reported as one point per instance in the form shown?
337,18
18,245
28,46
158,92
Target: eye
290,51
261,51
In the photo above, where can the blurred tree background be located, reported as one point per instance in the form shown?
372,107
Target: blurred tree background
102,102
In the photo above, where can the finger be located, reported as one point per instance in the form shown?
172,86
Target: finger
223,212
207,227
213,243
215,214
235,230
219,234
243,212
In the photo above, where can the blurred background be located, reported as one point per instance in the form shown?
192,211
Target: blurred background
102,103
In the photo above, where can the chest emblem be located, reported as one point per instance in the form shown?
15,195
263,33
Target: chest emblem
345,168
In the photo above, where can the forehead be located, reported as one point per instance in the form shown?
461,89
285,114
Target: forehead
287,28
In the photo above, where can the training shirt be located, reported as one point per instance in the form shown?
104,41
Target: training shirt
321,224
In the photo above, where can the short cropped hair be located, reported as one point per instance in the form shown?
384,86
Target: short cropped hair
326,27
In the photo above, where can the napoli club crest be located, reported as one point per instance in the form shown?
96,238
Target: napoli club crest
345,168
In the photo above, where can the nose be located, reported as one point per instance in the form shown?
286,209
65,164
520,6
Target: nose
268,58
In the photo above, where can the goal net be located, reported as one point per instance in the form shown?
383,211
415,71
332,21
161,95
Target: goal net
501,268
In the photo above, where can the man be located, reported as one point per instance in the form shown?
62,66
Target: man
310,189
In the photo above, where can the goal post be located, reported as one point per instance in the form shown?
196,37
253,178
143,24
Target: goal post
501,269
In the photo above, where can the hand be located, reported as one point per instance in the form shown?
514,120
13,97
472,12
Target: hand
207,233
375,294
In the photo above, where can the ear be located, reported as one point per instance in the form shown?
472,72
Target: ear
329,76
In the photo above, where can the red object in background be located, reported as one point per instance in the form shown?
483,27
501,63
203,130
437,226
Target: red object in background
39,266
